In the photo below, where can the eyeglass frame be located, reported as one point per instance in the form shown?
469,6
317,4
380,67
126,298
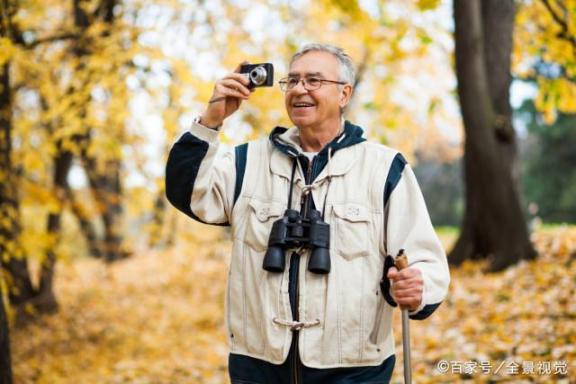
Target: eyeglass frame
304,80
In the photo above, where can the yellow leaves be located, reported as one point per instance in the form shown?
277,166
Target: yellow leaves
155,318
9,215
349,8
426,5
32,162
12,250
539,37
6,222
158,317
7,50
522,313
555,94
566,95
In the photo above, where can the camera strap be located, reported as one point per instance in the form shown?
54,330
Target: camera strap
290,190
308,188
329,177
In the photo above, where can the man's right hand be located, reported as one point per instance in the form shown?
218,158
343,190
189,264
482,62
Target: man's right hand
226,98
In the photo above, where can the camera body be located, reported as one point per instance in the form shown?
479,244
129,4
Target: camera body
291,231
260,75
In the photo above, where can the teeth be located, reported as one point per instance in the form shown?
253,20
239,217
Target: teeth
303,105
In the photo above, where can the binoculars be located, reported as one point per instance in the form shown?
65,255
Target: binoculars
291,231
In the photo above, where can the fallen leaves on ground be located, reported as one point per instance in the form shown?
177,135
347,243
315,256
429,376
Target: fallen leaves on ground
159,318
516,326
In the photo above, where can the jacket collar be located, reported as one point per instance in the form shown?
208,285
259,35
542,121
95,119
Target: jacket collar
287,143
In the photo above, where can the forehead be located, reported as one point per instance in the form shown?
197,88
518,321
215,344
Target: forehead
316,62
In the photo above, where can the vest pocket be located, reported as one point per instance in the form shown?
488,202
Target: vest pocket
352,230
261,216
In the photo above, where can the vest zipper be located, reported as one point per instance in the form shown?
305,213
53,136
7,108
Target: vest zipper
305,206
296,357
308,178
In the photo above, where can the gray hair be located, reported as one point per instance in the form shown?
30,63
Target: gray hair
347,72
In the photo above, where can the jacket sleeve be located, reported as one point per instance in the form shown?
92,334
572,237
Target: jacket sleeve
409,227
199,180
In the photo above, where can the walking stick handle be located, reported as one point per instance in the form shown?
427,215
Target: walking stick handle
401,261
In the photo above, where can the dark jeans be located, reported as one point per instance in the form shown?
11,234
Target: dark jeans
248,370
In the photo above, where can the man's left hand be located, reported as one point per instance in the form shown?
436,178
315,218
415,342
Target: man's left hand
407,287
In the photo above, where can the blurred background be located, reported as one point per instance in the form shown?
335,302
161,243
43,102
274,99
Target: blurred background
104,282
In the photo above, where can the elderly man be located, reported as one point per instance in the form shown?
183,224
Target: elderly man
293,315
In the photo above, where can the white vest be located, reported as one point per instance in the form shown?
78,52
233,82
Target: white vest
344,319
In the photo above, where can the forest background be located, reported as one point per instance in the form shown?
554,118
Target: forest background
104,282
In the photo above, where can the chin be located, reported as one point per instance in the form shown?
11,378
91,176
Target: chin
301,121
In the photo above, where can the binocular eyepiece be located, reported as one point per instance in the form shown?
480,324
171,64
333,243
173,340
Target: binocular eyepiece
291,231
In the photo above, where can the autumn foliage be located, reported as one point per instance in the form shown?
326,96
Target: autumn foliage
158,318
93,93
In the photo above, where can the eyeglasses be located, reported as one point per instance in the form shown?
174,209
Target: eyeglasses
310,83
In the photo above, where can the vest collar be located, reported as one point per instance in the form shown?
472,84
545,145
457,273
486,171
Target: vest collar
286,143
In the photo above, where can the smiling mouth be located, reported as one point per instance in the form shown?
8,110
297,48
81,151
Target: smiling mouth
302,105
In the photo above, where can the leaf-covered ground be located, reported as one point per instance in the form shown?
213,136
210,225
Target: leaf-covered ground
158,318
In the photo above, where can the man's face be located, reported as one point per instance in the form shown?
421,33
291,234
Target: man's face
321,106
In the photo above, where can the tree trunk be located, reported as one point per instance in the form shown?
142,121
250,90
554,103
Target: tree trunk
9,229
105,183
113,212
46,301
493,225
85,223
107,192
158,218
5,366
11,253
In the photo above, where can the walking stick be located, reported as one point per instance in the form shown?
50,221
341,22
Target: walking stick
401,262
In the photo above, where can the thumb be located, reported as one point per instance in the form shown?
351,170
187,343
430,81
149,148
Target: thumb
392,273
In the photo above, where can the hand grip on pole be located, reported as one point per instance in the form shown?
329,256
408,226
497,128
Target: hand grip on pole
401,261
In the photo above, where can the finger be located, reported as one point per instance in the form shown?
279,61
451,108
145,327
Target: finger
392,273
409,274
408,284
406,299
411,271
229,92
241,77
236,85
407,292
233,85
403,297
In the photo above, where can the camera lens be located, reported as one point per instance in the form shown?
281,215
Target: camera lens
258,75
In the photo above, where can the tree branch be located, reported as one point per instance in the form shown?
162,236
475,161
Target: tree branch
50,39
565,33
6,27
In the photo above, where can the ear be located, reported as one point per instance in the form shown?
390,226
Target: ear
345,95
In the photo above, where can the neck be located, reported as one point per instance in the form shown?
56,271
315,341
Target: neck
314,138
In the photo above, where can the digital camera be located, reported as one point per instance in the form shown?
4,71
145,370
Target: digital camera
260,75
